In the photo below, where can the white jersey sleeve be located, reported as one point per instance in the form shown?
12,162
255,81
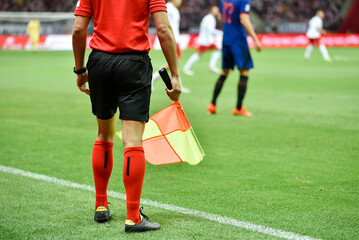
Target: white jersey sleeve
315,27
207,31
174,19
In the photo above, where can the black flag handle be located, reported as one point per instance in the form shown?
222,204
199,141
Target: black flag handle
166,79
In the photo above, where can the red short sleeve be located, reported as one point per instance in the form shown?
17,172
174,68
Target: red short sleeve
157,5
83,8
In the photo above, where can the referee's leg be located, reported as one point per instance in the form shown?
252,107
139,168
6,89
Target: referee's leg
132,132
133,167
106,129
133,174
102,162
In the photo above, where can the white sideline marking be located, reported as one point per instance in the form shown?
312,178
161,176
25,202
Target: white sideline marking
212,217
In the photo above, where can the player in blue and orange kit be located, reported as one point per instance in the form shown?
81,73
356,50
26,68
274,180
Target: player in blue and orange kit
235,51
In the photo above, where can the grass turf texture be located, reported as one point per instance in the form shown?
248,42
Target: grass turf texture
292,166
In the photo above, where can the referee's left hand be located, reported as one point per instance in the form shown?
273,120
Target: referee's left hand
175,92
82,79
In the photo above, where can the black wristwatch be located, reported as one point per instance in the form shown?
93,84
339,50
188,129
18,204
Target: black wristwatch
80,71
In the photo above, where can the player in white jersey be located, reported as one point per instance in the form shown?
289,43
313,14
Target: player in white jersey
174,19
314,33
207,40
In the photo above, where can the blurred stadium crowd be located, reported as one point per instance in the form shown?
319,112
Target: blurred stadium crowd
272,12
38,5
275,12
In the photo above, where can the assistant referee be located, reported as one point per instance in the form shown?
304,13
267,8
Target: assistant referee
119,73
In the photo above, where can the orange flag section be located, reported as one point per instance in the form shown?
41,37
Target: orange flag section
158,151
169,138
171,118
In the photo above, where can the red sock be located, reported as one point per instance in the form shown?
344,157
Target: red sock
133,174
102,161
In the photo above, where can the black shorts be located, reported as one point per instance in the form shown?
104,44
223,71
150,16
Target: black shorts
120,80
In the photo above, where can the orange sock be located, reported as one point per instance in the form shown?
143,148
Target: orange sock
102,161
133,174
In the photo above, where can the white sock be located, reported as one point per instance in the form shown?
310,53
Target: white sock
193,59
214,58
308,50
324,51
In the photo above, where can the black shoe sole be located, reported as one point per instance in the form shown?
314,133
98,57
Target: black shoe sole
144,226
134,230
102,217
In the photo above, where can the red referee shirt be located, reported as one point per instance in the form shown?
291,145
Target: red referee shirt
120,25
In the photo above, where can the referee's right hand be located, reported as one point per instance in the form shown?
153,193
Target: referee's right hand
82,79
175,92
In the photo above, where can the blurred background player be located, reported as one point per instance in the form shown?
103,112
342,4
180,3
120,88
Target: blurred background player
235,51
174,19
315,30
208,34
33,30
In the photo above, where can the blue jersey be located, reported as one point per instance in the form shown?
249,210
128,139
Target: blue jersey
233,31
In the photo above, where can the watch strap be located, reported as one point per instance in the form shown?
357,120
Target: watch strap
80,71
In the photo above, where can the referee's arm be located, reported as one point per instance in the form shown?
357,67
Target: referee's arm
168,45
79,35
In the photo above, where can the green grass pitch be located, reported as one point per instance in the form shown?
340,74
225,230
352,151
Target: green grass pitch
293,166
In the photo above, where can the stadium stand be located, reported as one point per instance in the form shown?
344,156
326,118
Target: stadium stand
275,14
280,23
